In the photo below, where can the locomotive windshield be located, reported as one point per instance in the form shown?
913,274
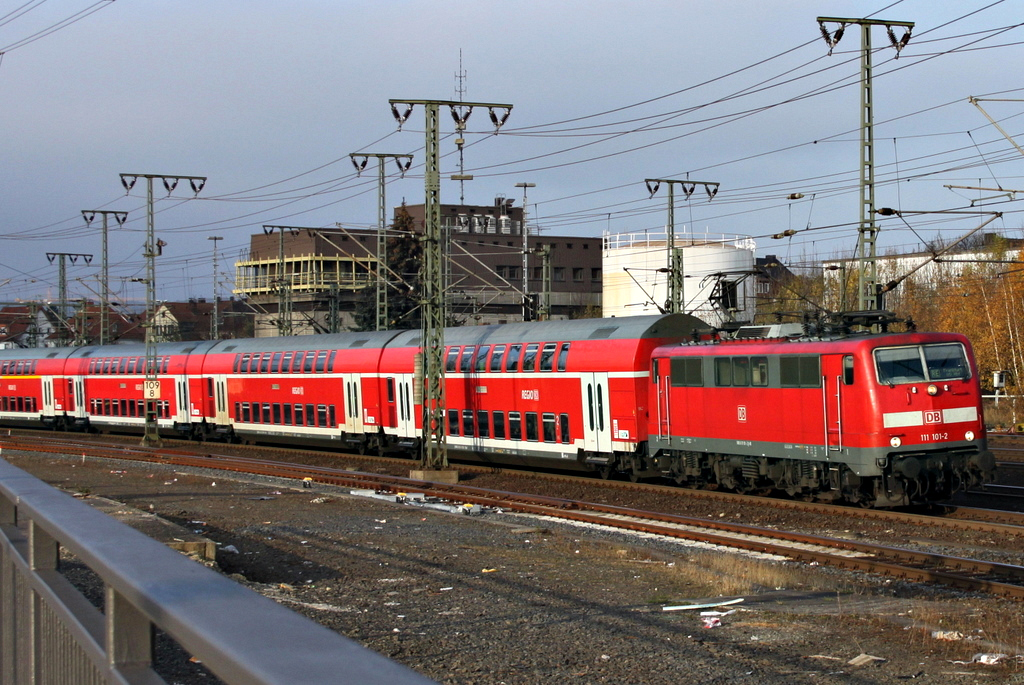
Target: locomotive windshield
922,363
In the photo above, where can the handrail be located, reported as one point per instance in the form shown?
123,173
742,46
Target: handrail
50,633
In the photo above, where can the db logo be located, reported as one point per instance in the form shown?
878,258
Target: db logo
933,417
741,414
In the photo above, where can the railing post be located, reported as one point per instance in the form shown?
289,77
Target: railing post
8,595
129,634
43,552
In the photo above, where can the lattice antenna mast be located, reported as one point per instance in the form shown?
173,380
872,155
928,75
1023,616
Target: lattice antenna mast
460,128
434,454
674,267
359,161
869,296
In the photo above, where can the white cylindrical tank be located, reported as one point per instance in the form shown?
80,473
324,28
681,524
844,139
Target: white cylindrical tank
718,275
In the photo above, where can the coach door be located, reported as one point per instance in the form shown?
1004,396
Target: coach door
832,376
48,400
405,414
220,388
353,403
597,431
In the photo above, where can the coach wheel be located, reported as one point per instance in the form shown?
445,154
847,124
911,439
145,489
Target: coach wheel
606,472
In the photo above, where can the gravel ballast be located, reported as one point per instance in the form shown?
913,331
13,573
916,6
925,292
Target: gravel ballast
504,598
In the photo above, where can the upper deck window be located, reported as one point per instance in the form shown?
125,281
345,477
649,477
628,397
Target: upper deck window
921,363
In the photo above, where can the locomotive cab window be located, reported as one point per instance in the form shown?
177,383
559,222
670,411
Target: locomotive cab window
686,371
920,363
848,370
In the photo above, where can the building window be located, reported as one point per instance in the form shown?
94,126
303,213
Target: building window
595,274
559,276
577,274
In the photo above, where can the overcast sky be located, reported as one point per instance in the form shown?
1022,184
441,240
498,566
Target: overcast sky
267,100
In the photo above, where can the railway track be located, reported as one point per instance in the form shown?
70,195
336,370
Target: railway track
970,574
953,517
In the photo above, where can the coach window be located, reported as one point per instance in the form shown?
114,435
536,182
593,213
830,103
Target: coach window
106,366
330,360
848,370
563,356
547,356
246,416
275,363
310,415
451,360
563,420
453,422
331,418
482,425
549,428
123,367
321,416
321,361
467,423
297,362
466,361
515,426
276,413
512,361
265,362
530,357
496,357
531,426
307,365
298,415
499,425
481,358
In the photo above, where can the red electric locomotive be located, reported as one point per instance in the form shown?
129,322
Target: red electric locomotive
877,419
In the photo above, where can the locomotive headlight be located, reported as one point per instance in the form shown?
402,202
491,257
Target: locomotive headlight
895,441
969,435
933,390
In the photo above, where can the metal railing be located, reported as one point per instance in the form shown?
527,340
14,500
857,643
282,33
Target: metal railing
51,633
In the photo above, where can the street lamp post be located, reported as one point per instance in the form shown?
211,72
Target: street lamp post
526,253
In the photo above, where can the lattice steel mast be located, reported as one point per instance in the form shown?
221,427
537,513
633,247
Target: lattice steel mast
433,449
869,296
